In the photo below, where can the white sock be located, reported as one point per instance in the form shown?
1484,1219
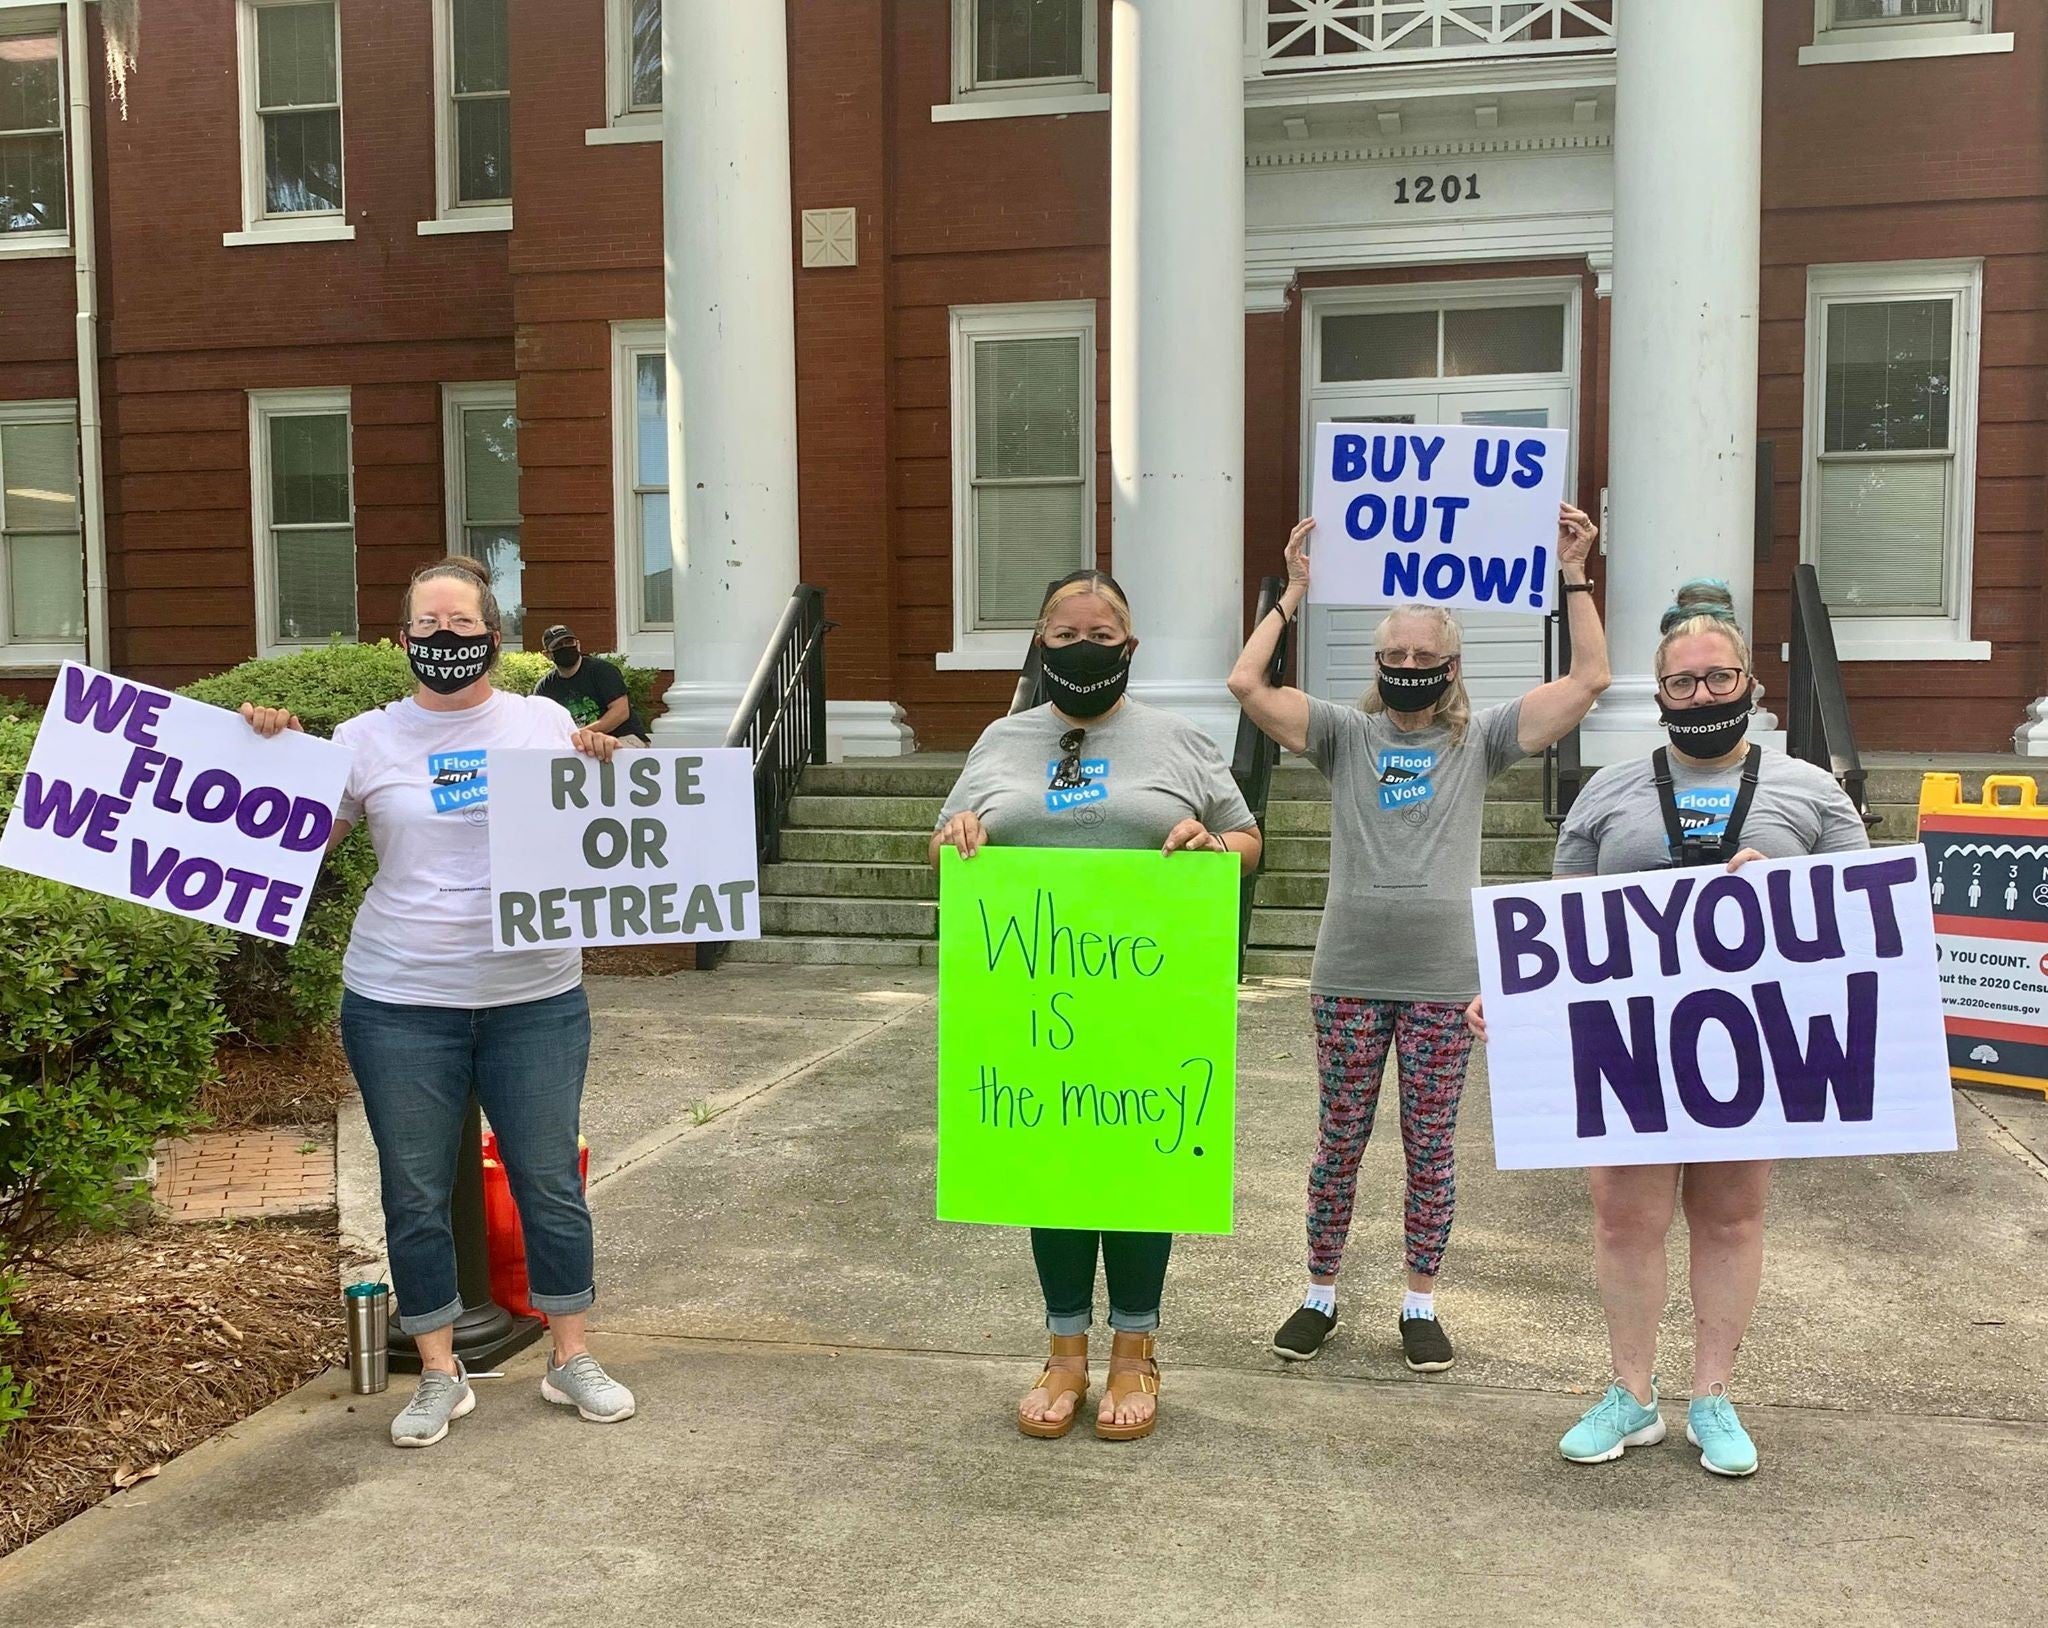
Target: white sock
1322,1296
1419,1305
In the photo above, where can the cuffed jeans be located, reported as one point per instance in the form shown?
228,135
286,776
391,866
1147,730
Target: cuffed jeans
417,1067
1134,1263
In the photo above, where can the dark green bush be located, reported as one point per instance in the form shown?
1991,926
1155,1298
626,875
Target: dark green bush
325,687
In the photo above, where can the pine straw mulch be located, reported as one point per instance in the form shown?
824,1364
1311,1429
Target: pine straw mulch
259,1086
640,961
167,1336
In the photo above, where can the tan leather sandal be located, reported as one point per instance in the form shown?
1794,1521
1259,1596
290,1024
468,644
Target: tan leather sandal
1131,1372
1056,1383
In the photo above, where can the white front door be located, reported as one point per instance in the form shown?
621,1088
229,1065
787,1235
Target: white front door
1503,651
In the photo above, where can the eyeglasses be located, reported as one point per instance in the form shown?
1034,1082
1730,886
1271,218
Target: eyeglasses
1067,772
1721,682
425,627
1410,658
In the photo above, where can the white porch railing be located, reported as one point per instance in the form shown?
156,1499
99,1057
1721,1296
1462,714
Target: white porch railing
1302,36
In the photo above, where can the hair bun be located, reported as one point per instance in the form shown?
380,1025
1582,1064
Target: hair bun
1702,596
467,565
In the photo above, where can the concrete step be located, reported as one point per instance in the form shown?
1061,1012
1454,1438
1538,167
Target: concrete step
838,952
866,813
859,880
827,845
849,918
1285,929
1262,963
927,774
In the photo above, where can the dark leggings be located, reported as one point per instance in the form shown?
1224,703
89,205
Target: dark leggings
1135,1263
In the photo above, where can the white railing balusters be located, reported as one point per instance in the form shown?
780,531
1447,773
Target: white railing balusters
1300,36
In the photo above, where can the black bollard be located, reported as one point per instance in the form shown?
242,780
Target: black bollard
486,1333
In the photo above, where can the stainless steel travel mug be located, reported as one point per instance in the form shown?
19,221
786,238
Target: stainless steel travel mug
369,1337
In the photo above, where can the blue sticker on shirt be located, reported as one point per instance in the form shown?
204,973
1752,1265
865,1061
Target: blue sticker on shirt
1405,776
459,781
1703,811
1072,784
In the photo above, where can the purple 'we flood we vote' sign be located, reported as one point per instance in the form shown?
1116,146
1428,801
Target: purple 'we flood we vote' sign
147,796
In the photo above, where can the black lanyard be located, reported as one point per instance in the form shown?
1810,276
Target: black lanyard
1660,771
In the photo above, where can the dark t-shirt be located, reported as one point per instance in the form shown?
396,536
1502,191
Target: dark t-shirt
585,693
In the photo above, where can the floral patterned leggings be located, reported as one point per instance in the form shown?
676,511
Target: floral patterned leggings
1431,1046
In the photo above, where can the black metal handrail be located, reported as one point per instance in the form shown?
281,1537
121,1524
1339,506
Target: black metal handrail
781,721
1817,728
1256,756
1563,771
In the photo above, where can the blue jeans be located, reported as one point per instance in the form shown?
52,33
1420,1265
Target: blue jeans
417,1067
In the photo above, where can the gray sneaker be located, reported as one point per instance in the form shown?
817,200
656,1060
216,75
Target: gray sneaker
436,1400
581,1384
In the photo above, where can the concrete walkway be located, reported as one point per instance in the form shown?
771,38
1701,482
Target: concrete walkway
827,1377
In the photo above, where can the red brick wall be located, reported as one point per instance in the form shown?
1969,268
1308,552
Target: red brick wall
1935,158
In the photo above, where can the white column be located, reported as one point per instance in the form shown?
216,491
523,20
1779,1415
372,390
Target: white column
1682,439
1176,365
731,350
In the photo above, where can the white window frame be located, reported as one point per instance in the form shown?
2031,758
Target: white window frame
451,214
457,399
623,121
1903,638
16,657
264,405
20,22
973,98
978,649
1885,39
644,645
258,226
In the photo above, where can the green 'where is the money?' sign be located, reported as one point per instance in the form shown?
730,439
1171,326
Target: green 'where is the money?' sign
1088,1038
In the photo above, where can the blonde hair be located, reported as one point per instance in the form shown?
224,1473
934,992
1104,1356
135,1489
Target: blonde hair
1703,605
1454,711
1098,583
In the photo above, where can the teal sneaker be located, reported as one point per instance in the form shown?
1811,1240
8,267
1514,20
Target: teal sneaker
1711,1426
1612,1425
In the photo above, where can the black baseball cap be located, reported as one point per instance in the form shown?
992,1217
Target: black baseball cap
555,635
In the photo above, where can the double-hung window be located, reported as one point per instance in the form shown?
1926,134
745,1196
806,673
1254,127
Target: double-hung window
303,497
1023,469
481,455
645,561
33,214
473,123
1891,430
632,33
42,547
1879,30
291,121
1018,50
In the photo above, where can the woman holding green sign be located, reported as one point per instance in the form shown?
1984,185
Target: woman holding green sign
1094,769
1395,959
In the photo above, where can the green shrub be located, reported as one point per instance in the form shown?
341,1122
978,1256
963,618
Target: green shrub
324,687
12,707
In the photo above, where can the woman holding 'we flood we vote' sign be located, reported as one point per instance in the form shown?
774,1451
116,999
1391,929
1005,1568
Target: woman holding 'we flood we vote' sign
430,1013
1709,798
1093,769
1396,961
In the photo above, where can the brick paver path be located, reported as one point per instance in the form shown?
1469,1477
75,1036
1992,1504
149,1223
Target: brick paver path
223,1175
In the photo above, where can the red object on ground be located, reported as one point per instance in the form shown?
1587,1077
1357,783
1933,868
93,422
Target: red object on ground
504,1239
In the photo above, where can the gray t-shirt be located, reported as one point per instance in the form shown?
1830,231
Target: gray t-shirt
1617,823
1133,778
1405,813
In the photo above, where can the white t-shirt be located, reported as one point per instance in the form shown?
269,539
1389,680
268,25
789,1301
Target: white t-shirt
423,934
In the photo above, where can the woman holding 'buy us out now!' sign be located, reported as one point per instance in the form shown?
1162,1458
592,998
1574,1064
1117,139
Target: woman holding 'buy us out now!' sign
1396,962
1122,775
430,1014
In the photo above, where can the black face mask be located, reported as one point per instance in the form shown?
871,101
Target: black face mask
1413,689
1709,732
1085,680
451,661
567,656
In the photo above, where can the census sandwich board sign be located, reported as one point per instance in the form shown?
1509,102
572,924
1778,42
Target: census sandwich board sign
1458,515
1787,1010
653,847
164,801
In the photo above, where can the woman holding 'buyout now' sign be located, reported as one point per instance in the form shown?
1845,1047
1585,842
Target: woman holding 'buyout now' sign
1093,769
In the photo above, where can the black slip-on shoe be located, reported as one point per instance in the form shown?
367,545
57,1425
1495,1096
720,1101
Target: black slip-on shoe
1425,1345
1303,1334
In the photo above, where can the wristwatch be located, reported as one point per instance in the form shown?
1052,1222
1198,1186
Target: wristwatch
1578,587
